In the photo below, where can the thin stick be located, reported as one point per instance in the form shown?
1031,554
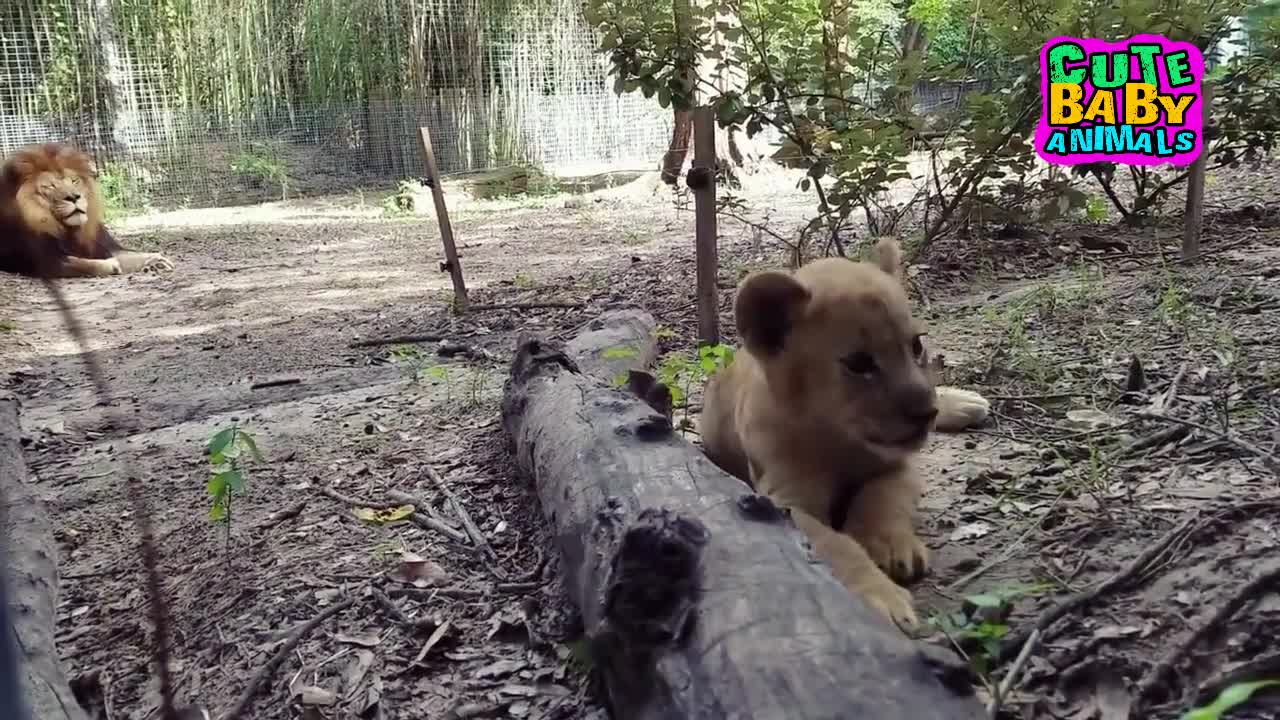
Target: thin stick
1006,685
157,607
274,383
295,637
1081,599
704,196
417,502
527,306
1247,594
472,529
1271,461
453,263
1170,396
426,522
396,340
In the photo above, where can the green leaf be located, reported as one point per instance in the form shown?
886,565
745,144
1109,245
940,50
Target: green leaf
252,444
985,600
218,512
219,443
232,479
1228,699
217,486
618,353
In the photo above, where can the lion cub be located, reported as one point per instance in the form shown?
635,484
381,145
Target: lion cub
824,408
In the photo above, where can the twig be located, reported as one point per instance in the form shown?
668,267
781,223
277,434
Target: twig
1081,599
1170,396
1271,461
1248,594
426,522
473,530
1006,685
1046,396
398,615
277,517
1168,434
396,340
290,643
417,502
1008,551
274,383
526,305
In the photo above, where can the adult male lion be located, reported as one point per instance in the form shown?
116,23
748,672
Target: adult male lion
51,221
825,407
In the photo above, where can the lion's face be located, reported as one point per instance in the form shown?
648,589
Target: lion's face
53,188
840,347
64,193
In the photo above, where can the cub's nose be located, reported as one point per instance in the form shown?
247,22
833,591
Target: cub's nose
73,197
922,416
918,405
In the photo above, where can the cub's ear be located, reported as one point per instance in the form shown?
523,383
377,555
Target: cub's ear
889,257
766,310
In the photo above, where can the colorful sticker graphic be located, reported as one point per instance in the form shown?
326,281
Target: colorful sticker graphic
1135,102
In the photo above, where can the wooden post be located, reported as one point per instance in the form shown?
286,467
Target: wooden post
702,180
452,263
1193,217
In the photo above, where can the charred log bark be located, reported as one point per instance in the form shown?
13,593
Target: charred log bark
701,598
31,581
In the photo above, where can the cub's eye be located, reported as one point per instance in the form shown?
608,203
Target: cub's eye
75,180
860,363
917,346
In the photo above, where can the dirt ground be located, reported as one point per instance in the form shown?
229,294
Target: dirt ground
1162,527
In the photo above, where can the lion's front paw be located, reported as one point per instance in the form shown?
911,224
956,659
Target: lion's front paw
890,599
959,409
898,552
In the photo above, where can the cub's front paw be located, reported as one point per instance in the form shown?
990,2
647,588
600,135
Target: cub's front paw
890,599
898,552
959,409
155,262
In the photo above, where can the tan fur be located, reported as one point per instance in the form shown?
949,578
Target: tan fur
51,220
833,385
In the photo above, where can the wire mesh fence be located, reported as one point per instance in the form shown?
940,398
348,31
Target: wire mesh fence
222,102
204,102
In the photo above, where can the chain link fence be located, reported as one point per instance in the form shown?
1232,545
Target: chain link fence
219,102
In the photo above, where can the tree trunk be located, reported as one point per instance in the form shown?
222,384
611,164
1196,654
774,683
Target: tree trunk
118,115
699,598
730,158
1193,217
914,41
30,583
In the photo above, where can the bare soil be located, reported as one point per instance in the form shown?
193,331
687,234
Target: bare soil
1064,489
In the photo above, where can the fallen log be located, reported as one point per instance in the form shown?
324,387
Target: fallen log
700,598
31,581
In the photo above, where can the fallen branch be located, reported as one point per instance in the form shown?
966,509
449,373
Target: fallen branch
1007,684
473,530
1015,641
291,642
280,516
438,521
275,383
527,305
396,340
31,581
1271,461
699,598
426,522
1156,678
